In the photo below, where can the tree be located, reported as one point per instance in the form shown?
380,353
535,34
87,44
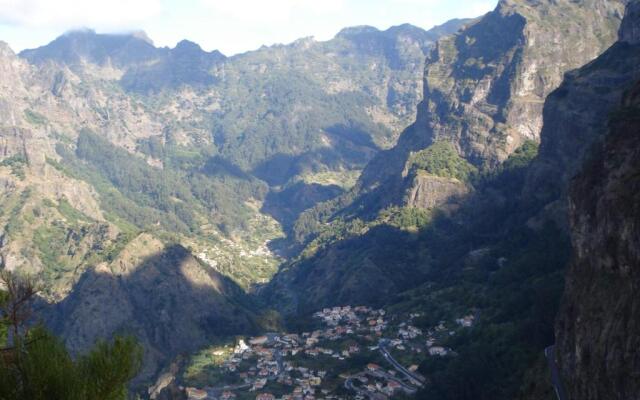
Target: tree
35,365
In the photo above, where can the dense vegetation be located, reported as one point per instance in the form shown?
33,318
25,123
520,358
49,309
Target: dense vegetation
482,259
180,197
509,274
442,159
35,365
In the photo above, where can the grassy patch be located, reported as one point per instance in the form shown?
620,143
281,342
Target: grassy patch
16,163
442,159
70,213
35,118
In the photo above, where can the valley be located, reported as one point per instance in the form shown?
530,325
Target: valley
355,351
443,214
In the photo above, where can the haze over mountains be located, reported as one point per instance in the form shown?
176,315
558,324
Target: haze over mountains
186,197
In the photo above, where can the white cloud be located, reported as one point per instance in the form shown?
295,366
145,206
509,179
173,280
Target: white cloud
228,25
77,13
272,10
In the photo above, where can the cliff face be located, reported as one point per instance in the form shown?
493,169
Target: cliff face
428,191
105,137
484,88
598,330
575,115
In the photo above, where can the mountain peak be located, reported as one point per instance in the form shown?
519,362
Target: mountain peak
5,49
405,28
185,44
81,32
357,30
142,35
82,45
188,48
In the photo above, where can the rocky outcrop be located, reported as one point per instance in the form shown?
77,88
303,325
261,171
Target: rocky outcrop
307,107
429,191
575,116
484,87
598,331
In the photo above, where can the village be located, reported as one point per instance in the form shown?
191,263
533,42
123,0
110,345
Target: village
357,352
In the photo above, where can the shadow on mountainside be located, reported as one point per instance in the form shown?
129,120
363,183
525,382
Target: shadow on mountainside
287,204
169,301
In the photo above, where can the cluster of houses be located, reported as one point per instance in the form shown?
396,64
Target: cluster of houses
264,361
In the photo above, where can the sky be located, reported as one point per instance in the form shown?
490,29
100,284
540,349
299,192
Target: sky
231,26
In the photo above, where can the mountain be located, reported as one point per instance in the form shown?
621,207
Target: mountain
598,326
485,88
498,247
148,185
597,330
76,48
156,192
171,302
253,110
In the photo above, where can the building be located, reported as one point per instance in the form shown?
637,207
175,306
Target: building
373,367
196,394
259,340
438,351
227,395
265,396
241,347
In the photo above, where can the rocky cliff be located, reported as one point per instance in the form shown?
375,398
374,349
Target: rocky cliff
134,179
575,117
597,332
485,87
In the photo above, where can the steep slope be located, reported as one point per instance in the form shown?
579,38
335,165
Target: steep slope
500,59
161,294
125,167
597,331
503,253
576,117
484,90
68,219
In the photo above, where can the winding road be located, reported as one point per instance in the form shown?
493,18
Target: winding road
413,378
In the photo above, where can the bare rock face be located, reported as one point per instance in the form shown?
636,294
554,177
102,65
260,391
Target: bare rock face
598,328
429,191
575,115
598,332
485,87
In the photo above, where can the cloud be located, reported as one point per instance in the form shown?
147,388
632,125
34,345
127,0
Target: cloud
272,10
231,26
77,13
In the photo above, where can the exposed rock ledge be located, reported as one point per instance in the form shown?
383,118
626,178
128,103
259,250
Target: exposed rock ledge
430,191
